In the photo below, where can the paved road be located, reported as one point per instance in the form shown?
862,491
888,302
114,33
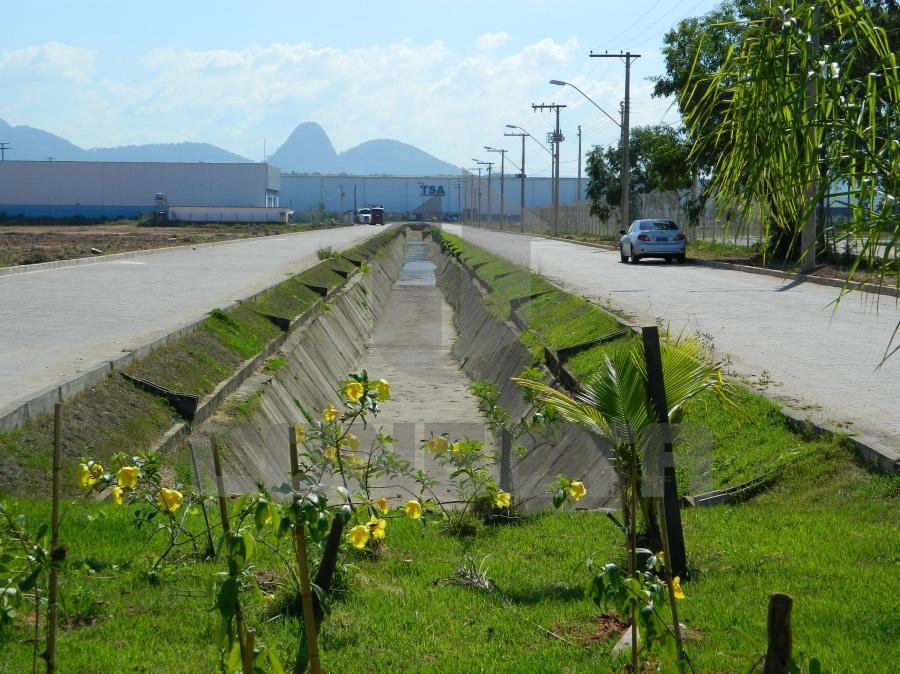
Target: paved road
57,323
820,362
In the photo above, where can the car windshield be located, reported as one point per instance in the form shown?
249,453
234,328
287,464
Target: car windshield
658,225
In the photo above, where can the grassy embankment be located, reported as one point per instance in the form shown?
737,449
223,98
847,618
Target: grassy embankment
826,532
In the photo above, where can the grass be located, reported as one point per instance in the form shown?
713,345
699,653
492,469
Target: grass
404,613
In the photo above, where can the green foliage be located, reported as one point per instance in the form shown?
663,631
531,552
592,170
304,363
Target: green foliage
658,159
805,104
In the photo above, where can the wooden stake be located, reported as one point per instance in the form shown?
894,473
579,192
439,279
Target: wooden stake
56,554
670,513
226,528
778,654
306,602
210,547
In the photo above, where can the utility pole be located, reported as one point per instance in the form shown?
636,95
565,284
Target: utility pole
556,138
578,184
3,148
578,196
521,182
626,136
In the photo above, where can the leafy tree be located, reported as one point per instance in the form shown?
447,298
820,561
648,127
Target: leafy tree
788,121
658,156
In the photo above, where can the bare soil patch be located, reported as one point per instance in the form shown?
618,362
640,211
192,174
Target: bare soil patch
30,243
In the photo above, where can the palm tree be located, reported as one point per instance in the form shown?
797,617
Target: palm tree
614,403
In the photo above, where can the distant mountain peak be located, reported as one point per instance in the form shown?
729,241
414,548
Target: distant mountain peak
309,150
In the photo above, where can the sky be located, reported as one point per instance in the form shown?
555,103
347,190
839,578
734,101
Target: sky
446,77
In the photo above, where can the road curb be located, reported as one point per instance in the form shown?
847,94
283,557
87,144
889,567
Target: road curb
733,266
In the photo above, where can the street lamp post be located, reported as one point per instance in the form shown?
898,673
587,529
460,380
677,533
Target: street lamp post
490,204
521,134
502,181
624,143
540,145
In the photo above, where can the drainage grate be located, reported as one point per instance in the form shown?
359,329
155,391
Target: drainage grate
417,269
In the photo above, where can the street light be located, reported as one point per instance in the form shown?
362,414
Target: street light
489,164
624,141
502,181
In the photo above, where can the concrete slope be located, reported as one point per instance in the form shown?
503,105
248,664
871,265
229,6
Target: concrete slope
56,324
489,349
396,324
818,361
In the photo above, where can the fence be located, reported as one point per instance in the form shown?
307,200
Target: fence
576,220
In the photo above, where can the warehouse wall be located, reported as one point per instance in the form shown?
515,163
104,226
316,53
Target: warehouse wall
408,193
93,189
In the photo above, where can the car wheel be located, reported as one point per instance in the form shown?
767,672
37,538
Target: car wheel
622,256
681,258
634,258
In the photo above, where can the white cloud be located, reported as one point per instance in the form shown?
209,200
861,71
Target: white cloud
488,41
445,102
48,62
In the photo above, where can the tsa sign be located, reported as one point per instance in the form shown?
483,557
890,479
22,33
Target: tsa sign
432,190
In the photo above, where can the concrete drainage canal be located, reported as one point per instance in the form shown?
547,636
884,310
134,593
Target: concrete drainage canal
417,320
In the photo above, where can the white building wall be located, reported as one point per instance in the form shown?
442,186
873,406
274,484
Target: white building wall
125,188
409,194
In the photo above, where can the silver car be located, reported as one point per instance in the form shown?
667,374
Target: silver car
652,237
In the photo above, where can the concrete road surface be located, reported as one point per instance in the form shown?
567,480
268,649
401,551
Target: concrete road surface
819,361
57,323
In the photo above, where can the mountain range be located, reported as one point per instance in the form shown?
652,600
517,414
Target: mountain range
307,150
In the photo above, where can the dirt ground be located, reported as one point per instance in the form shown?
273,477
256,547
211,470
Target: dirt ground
38,242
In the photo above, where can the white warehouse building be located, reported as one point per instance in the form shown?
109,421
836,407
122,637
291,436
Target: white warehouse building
428,195
242,192
125,189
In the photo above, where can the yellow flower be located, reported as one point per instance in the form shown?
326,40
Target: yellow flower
437,445
128,476
329,453
351,441
359,536
376,527
330,414
300,433
170,499
382,505
676,587
83,476
96,471
117,496
413,509
456,446
577,490
502,499
382,390
353,390
354,461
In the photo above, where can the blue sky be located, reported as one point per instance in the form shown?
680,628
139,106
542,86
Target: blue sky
443,76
